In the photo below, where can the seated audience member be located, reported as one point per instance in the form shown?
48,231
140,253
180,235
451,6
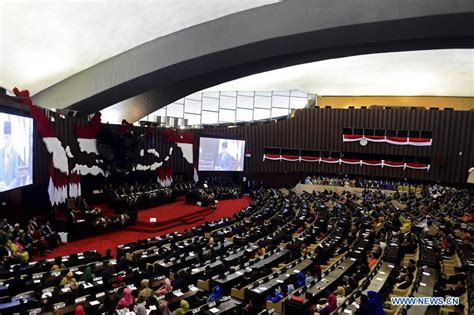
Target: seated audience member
7,256
405,282
363,306
23,255
79,310
145,292
51,236
216,293
248,308
330,307
372,261
178,282
30,243
317,271
458,290
290,288
348,284
410,267
69,281
276,297
58,265
165,288
122,264
458,310
106,307
375,304
119,283
87,276
140,309
309,276
183,308
301,279
107,273
126,300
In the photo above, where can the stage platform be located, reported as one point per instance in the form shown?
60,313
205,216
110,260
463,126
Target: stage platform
168,216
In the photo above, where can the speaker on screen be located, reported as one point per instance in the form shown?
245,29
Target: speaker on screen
16,151
217,154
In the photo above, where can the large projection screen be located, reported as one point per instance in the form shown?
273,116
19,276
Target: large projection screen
221,154
16,151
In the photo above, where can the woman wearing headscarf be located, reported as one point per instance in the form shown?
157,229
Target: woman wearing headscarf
87,276
216,293
126,300
375,304
301,279
163,308
80,310
330,307
145,292
183,308
69,281
18,253
140,309
165,288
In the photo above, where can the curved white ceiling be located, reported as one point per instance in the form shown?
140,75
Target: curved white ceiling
448,72
45,41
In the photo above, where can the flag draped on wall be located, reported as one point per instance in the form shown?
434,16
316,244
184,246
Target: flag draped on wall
87,136
419,142
59,168
380,163
184,140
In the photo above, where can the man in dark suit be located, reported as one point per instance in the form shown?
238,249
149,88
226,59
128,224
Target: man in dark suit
224,159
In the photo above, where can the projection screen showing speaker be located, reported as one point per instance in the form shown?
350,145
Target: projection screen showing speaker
221,154
16,151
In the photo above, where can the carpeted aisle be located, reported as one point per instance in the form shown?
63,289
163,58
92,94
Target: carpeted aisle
101,243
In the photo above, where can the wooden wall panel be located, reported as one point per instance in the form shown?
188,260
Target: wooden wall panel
321,129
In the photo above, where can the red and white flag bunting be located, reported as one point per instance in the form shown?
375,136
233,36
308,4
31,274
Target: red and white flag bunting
380,163
420,142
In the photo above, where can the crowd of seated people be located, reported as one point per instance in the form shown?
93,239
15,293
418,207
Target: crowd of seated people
125,198
339,241
361,182
20,242
211,191
83,220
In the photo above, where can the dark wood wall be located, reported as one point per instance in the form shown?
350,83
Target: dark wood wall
321,129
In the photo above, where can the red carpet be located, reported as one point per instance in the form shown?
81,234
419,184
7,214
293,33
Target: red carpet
169,216
177,210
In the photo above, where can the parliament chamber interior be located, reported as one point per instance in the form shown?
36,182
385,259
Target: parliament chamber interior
237,157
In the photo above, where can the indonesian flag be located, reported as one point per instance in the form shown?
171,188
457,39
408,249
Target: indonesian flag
87,136
57,188
74,185
165,176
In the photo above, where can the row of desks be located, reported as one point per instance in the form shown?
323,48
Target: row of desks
231,279
259,290
328,282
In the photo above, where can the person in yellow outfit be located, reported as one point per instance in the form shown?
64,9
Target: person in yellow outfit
183,308
23,255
